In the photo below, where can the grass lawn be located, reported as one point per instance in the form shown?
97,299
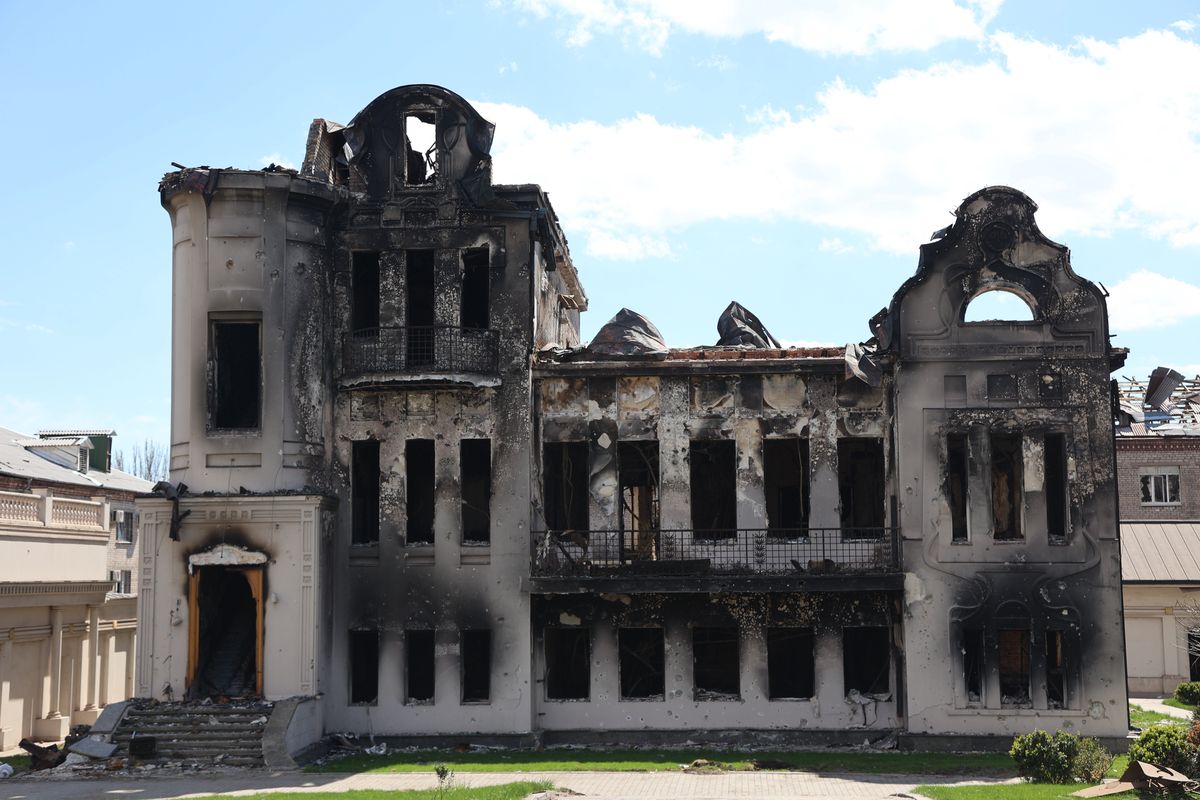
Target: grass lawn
1014,791
1141,718
1171,701
506,791
19,763
658,760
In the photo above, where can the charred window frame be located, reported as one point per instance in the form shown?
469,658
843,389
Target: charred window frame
974,666
421,164
1013,649
716,664
567,654
420,345
641,655
1193,646
476,653
1159,486
565,485
714,488
861,487
475,469
1058,502
364,492
1007,487
785,484
637,477
475,309
1058,669
420,487
363,646
957,486
235,374
364,293
419,664
867,659
791,663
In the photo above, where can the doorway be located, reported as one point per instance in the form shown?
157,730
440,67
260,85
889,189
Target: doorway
225,632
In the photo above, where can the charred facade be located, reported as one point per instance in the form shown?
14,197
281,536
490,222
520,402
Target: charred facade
444,515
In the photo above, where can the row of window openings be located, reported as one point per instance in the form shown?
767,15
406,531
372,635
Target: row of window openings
1007,486
475,659
713,490
1014,649
474,300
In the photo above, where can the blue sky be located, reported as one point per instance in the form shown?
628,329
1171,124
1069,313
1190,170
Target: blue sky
790,155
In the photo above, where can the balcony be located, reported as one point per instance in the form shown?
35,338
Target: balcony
760,559
421,354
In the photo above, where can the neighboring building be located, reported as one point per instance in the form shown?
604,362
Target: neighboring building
1158,468
67,614
415,498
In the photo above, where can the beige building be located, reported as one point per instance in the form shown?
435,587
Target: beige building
67,617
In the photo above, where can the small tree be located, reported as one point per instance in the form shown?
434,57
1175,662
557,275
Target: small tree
147,460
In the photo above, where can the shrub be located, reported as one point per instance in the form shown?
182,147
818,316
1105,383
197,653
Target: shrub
1045,758
1092,761
1188,693
1193,735
1166,746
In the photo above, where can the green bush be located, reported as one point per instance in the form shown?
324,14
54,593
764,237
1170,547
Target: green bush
1188,693
1092,761
1166,746
1045,758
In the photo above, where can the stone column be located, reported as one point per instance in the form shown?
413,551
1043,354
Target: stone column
129,664
110,656
93,660
56,652
7,739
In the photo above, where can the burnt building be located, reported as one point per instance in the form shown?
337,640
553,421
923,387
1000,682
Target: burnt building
415,497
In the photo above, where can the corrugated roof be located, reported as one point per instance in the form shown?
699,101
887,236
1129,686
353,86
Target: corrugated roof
1166,413
1160,551
20,462
77,432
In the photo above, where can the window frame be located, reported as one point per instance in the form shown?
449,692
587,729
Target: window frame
213,390
1160,472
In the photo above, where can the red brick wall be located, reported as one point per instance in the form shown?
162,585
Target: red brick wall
1135,453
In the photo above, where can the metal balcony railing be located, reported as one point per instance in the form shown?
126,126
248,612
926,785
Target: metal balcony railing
757,551
438,349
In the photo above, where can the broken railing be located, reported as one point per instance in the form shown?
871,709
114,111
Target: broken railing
420,349
757,551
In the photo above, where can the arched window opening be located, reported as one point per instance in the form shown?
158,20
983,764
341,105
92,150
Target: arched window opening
998,305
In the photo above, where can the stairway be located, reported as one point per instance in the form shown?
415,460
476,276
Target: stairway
225,735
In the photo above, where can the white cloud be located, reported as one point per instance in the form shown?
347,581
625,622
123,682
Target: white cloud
278,160
511,66
1184,25
1146,299
1104,136
835,246
28,327
719,63
858,28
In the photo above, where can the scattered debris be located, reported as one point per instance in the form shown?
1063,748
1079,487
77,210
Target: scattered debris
6,770
42,757
1145,778
377,750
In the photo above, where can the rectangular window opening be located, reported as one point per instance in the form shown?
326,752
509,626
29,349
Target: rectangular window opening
1160,486
420,135
1013,646
236,374
420,347
956,485
123,525
716,663
418,651
475,289
364,492
568,663
364,303
475,462
973,661
641,657
1006,486
364,666
565,485
714,488
637,475
790,663
785,484
419,490
122,581
1057,497
861,487
867,660
476,666
1056,669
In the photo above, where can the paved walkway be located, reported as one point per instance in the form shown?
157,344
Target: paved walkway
596,785
1157,704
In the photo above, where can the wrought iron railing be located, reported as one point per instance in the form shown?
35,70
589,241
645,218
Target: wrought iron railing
420,349
757,551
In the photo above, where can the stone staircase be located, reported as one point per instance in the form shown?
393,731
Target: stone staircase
225,735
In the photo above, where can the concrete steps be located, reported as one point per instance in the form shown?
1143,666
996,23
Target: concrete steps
193,732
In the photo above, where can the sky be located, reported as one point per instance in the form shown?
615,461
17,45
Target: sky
790,155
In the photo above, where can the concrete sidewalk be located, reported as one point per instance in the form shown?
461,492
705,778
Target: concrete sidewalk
1157,704
595,785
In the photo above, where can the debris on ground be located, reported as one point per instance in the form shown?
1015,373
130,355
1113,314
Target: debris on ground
6,770
1143,777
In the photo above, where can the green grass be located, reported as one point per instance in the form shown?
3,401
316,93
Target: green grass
1171,701
1013,791
1141,718
18,763
506,791
660,760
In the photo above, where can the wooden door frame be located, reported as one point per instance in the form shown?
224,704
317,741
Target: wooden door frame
254,576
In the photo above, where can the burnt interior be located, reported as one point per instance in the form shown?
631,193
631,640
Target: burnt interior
974,659
475,308
641,660
1013,648
364,665
475,463
1006,486
568,663
1057,515
637,475
419,490
476,666
1056,669
419,665
866,659
364,490
861,486
714,488
565,485
715,661
364,300
785,485
791,659
228,629
236,374
419,291
956,484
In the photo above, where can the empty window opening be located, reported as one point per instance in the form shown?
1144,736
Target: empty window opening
229,616
1057,498
867,660
419,490
123,524
1193,645
475,462
418,651
419,307
420,135
1001,387
641,656
565,485
364,303
122,580
861,487
715,663
790,663
568,663
1013,647
1056,669
637,475
476,666
785,483
1050,386
998,305
364,492
236,374
1160,486
956,485
364,666
973,661
714,488
475,301
1006,486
